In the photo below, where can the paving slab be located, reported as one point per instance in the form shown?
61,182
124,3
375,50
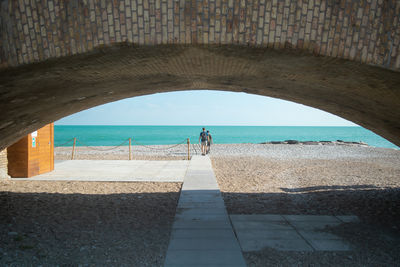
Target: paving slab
201,205
200,265
204,258
202,217
114,171
288,232
252,234
311,218
200,186
258,217
348,218
314,225
200,197
329,245
268,225
211,234
199,211
202,233
318,235
278,244
204,243
215,192
188,224
203,199
205,203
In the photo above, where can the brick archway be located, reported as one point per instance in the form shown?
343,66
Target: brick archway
60,57
36,94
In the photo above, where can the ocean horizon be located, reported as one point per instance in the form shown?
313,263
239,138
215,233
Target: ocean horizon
113,135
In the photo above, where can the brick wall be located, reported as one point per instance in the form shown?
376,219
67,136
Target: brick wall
3,164
364,31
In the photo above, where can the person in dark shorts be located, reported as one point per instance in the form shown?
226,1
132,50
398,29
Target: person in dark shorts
209,141
203,139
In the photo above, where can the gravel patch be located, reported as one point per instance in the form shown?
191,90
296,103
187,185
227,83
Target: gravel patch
286,151
85,223
271,151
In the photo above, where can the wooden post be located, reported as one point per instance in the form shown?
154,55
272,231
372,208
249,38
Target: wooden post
188,148
73,149
130,149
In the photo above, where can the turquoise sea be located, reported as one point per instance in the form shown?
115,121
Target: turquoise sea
163,135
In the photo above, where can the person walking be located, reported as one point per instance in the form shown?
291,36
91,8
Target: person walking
203,139
209,141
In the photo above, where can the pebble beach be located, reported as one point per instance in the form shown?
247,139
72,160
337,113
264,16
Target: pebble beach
271,151
317,179
314,179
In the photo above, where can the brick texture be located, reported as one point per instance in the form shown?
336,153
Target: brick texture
35,95
339,56
363,31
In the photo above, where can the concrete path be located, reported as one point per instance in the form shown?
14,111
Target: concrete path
202,234
115,170
289,232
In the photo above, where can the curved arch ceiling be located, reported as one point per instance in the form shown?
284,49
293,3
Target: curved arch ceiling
34,95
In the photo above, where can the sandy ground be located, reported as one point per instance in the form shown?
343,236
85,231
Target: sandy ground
368,187
85,223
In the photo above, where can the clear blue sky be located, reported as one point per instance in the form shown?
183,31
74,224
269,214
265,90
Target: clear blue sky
204,108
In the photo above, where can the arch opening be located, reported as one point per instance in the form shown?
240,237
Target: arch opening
232,117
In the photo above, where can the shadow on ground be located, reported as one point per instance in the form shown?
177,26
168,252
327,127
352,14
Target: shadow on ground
331,187
375,240
371,246
71,229
379,206
133,229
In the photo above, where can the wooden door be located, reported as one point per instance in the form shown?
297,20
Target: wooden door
45,145
17,155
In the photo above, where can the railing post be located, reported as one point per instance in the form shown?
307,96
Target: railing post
73,149
130,157
188,148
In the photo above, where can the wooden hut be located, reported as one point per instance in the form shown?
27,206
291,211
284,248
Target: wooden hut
32,154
